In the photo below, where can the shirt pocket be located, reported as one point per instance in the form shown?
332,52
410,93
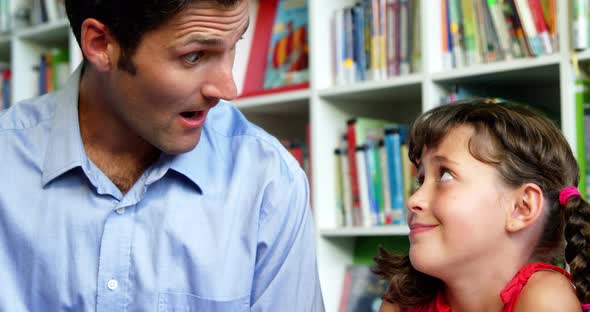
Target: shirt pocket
181,302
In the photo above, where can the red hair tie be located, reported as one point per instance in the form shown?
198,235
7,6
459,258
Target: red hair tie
566,193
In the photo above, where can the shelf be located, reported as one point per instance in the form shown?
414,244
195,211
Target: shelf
385,230
285,102
398,87
525,70
48,33
583,55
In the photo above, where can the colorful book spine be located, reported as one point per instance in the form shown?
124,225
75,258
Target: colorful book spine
500,27
339,188
359,41
541,25
528,24
580,24
469,30
392,32
352,161
396,184
404,37
372,187
415,37
363,186
582,96
349,217
383,161
456,32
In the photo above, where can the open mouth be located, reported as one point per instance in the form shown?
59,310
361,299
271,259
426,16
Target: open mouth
190,115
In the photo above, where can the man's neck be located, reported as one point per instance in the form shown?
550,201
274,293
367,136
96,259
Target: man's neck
115,149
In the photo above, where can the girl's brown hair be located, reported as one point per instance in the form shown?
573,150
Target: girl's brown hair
525,147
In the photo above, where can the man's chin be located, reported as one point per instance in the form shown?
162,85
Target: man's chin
180,148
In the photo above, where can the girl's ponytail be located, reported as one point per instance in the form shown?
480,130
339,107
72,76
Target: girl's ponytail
577,237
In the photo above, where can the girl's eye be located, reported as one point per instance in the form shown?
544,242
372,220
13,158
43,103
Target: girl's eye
445,176
193,57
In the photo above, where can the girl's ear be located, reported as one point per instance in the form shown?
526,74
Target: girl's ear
528,206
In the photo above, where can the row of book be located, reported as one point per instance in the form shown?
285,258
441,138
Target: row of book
362,290
53,70
373,174
5,87
376,39
482,31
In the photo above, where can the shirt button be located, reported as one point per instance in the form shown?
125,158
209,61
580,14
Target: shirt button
120,210
112,284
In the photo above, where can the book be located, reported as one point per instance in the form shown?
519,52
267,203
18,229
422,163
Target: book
363,186
261,36
393,141
356,133
350,218
288,53
580,24
339,188
582,97
362,290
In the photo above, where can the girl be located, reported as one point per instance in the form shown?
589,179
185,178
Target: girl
495,200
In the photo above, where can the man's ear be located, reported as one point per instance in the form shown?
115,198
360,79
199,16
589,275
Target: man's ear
98,45
528,206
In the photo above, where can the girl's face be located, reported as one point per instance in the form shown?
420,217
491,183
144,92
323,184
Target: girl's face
457,216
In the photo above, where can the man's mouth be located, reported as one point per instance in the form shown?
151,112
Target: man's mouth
190,114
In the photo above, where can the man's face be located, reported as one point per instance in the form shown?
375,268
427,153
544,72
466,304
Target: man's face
183,69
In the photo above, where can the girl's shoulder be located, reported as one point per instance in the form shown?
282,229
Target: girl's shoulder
545,288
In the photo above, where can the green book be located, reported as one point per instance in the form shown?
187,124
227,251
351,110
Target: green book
582,92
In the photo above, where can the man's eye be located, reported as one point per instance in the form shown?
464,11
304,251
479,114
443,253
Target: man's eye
193,57
446,176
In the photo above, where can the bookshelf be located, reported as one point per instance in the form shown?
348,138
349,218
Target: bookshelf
21,48
547,81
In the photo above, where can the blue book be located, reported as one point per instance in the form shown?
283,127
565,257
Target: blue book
359,40
393,143
42,75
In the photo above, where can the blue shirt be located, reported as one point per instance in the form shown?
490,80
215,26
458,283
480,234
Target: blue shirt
224,227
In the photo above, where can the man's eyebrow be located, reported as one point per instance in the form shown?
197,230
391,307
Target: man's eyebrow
200,39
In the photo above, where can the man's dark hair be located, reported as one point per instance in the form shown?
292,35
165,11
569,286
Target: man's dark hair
128,20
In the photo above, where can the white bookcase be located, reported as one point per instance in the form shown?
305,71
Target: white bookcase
547,81
22,48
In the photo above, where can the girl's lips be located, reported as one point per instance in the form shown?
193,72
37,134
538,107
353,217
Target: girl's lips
417,228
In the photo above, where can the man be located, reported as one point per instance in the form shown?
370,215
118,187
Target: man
136,188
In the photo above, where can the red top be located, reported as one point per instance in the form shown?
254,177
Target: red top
509,295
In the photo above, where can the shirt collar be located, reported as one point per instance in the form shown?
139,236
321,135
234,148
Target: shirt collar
64,150
199,165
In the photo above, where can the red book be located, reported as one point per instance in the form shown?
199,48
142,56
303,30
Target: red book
351,146
254,81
